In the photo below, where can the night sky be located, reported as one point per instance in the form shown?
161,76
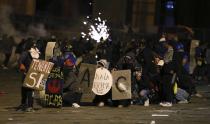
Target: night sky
195,13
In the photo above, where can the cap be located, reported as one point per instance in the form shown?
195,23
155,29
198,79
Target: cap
103,62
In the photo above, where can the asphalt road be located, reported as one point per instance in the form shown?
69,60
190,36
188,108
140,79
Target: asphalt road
196,112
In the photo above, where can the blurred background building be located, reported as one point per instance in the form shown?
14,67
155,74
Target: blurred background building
142,16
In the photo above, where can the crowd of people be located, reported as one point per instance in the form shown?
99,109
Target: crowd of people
160,69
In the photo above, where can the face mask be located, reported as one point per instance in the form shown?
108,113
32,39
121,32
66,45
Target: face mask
34,53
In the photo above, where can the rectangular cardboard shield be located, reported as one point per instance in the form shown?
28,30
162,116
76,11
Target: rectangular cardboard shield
85,80
194,44
121,88
53,100
49,50
54,88
55,81
37,74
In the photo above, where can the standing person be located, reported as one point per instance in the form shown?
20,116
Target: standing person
168,78
25,60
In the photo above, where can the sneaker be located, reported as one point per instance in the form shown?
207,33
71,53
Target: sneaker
30,109
21,107
183,102
198,95
4,67
146,103
101,104
75,105
120,106
166,104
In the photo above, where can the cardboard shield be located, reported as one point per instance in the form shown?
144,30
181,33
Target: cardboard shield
121,88
85,79
194,44
53,100
49,50
54,88
37,74
102,82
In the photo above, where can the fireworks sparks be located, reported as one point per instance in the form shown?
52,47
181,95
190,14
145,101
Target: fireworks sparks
85,23
97,31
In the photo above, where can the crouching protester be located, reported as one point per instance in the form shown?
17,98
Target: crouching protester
182,96
27,94
140,88
186,87
71,94
127,62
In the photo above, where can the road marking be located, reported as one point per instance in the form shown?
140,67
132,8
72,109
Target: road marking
159,115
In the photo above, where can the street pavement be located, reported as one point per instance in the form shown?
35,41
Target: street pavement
196,112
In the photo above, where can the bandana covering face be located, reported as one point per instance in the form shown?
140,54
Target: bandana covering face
34,53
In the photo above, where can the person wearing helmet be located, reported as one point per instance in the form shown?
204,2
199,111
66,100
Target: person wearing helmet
71,89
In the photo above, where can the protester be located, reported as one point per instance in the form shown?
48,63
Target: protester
156,67
140,88
185,80
167,95
102,100
71,94
127,62
27,94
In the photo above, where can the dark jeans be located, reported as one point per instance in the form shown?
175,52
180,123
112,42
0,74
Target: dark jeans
71,97
167,89
124,102
27,97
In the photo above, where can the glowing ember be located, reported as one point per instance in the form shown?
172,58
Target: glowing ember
85,23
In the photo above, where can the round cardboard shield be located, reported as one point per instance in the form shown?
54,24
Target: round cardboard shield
102,82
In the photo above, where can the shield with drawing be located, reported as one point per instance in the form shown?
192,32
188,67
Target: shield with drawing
121,88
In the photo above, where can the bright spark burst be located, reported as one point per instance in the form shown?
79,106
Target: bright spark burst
97,31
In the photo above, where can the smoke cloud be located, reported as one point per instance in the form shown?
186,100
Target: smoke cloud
6,27
37,30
